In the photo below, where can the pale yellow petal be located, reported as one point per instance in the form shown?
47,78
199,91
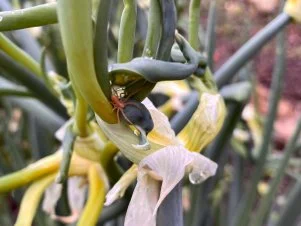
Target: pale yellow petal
120,187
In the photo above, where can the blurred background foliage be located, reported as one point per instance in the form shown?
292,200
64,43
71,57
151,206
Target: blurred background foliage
258,149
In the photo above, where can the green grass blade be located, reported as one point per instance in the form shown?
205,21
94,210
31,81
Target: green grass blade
266,203
153,30
210,34
101,47
291,211
127,30
30,17
168,15
19,55
245,207
47,119
33,83
14,92
194,23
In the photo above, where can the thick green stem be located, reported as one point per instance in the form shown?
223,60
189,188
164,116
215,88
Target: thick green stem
81,110
127,31
32,82
19,55
210,34
31,17
101,47
76,30
153,30
194,23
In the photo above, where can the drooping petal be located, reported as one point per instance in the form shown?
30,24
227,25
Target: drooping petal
143,202
76,198
120,187
52,195
205,123
161,172
77,189
162,133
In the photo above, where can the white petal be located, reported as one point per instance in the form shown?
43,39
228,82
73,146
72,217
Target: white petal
124,138
60,133
51,196
201,168
162,126
169,166
77,189
143,202
120,187
76,199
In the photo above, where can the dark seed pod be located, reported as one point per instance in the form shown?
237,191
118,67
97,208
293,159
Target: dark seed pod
136,113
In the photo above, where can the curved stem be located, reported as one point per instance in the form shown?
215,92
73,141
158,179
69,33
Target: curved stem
34,171
14,92
33,83
229,69
96,197
76,30
19,55
194,21
245,206
101,47
31,200
31,17
153,30
127,31
210,34
80,116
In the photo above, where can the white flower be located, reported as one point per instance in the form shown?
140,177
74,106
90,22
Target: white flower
160,169
77,189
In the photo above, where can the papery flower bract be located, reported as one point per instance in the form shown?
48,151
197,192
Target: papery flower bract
160,169
205,123
77,189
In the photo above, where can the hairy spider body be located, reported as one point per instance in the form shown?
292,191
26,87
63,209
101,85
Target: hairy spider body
133,112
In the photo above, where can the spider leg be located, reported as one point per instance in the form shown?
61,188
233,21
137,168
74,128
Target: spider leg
126,118
114,108
129,121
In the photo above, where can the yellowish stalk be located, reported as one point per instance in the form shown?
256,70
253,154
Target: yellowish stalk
77,35
96,197
31,200
19,55
167,108
108,153
32,172
81,110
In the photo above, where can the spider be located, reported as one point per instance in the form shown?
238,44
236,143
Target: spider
133,111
